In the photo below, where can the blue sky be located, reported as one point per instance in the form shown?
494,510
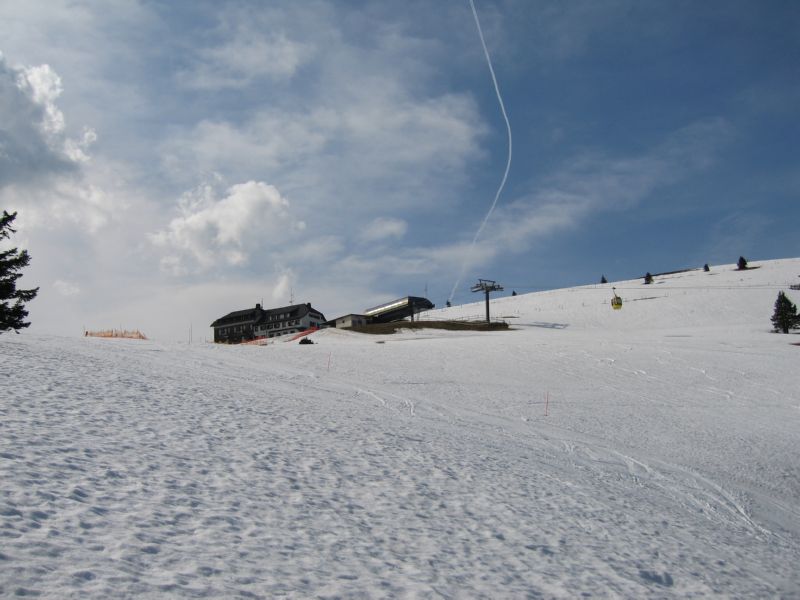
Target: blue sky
174,161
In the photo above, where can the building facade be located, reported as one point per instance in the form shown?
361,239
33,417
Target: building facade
259,323
349,321
237,327
288,319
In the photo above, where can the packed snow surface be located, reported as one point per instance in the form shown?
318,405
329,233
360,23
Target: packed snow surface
648,452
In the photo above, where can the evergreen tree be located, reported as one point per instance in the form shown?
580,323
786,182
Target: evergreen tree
785,315
742,264
648,279
11,261
603,279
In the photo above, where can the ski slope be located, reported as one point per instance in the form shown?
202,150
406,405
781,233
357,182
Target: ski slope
651,452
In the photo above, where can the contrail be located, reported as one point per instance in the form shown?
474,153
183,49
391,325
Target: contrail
508,163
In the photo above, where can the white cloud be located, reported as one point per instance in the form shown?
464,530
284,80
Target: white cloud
282,291
247,54
43,86
317,251
269,140
212,231
65,288
438,133
364,115
42,169
89,199
32,140
76,150
375,149
449,258
383,228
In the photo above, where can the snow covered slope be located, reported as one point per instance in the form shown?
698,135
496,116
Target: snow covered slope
647,452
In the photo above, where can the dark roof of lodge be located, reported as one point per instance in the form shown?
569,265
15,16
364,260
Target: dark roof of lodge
257,315
249,314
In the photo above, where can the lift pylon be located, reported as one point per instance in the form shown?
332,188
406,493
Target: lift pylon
486,286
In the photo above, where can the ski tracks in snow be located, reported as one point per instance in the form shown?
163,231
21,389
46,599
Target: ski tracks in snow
240,472
408,405
670,484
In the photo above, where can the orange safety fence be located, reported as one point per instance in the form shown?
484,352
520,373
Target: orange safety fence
301,334
132,334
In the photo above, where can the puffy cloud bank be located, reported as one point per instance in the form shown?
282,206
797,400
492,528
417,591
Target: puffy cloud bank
33,140
213,231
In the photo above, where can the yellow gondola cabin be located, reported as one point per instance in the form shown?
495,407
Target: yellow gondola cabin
616,301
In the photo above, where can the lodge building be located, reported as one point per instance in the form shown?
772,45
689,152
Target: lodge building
259,323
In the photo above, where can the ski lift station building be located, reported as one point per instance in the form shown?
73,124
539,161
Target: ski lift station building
396,310
399,309
347,321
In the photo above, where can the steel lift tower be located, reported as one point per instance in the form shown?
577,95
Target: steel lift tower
486,286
